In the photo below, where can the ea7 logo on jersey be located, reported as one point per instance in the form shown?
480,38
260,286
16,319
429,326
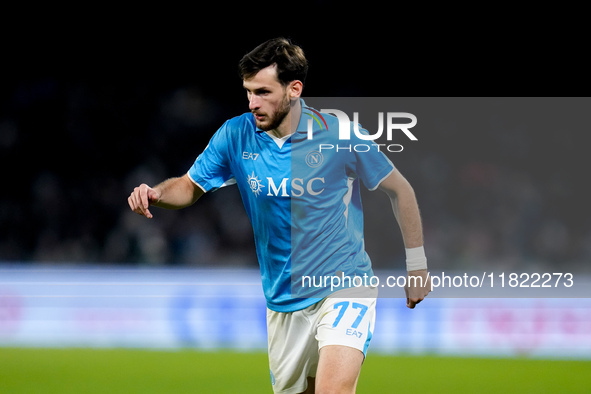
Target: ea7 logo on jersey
249,156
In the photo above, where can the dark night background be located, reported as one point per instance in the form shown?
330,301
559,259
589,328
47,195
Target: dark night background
86,115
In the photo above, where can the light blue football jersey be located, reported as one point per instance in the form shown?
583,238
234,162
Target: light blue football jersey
302,198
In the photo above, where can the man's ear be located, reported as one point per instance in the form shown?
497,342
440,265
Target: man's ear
295,89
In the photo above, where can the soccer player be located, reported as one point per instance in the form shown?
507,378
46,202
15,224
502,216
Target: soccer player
304,205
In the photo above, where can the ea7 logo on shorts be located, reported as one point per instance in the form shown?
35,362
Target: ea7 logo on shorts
249,156
353,332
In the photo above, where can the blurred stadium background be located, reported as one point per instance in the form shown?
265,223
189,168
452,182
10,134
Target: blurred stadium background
501,182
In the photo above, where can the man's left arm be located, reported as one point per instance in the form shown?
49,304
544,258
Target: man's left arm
406,211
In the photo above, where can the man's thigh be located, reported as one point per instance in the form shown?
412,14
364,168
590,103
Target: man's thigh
338,369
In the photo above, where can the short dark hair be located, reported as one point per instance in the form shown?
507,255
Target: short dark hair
289,58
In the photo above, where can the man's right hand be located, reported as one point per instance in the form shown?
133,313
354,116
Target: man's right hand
141,198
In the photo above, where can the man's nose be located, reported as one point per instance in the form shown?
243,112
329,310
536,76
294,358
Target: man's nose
254,102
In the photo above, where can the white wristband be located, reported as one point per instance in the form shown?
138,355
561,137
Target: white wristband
416,259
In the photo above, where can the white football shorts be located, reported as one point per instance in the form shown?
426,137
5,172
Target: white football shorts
344,318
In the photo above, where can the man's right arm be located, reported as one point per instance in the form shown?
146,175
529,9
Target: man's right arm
173,193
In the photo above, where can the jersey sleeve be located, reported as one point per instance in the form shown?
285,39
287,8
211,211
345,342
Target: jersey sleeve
211,170
371,165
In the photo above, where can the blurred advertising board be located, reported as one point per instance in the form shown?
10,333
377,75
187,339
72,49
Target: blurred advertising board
225,308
